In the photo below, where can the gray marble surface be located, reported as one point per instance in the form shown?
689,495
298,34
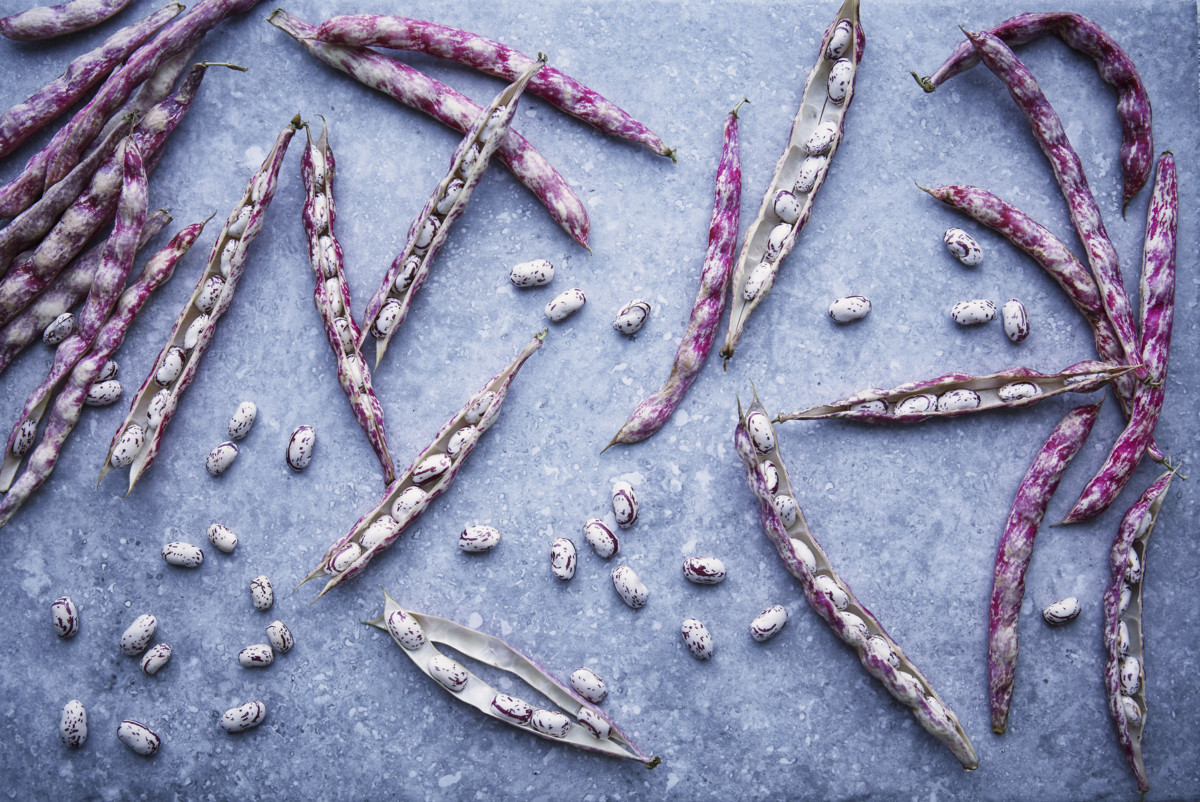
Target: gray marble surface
910,516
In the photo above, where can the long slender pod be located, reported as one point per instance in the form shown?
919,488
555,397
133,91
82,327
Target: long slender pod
1114,65
1051,137
830,597
653,412
1157,312
418,91
68,288
1016,550
475,51
1124,670
392,301
801,170
331,295
47,22
107,282
430,475
181,33
65,412
30,115
417,633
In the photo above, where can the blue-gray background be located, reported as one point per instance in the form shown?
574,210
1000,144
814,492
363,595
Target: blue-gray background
911,517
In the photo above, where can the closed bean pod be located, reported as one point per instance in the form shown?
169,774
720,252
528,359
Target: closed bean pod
697,638
768,623
243,717
562,558
138,737
66,617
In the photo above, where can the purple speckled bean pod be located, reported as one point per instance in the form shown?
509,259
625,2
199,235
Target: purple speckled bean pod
353,374
68,288
653,412
559,90
1016,550
483,145
257,196
47,22
107,282
418,91
498,386
1133,536
1082,377
1048,131
901,678
1114,65
65,412
181,33
1158,311
29,116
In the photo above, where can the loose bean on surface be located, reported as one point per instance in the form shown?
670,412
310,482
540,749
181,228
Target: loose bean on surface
768,623
478,539
261,593
155,659
629,587
562,558
1062,611
697,638
260,655
850,308
243,717
300,447
139,634
625,504
537,273
631,317
972,313
280,637
602,539
222,537
704,570
183,555
1016,320
220,458
72,724
565,304
66,617
589,685
242,420
59,329
138,737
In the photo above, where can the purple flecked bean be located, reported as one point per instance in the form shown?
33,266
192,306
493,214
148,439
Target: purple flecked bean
47,22
1114,65
324,251
68,288
68,405
418,91
653,412
30,115
475,51
1157,312
1016,550
889,665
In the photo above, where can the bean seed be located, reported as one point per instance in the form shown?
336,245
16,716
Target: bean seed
972,313
963,247
300,447
261,593
155,659
102,394
447,199
345,557
594,723
836,594
25,437
183,555
856,628
565,304
227,253
243,717
562,558
333,295
461,441
907,689
1122,638
468,160
72,724
138,737
762,434
602,539
477,539
59,329
344,334
697,638
511,708
109,371
916,404
631,317
220,458
198,331
624,504
810,171
160,406
137,637
242,420
704,570
280,637
1016,320
1126,597
408,271
940,715
787,508
448,673
757,280
841,76
207,298
770,476
66,617
629,587
479,407
128,446
171,367
1132,711
804,554
425,235
876,407
1133,568
787,207
768,623
389,315
589,685
430,468
776,239
537,273
550,722
1018,391
260,655
405,629
878,647
238,227
1062,611
380,530
850,308
407,501
821,139
961,398
1131,676
320,212
839,41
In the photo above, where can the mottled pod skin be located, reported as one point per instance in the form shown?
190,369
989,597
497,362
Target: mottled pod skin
655,410
1114,65
1016,551
47,22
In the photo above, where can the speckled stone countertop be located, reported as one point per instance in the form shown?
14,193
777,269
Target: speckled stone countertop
911,516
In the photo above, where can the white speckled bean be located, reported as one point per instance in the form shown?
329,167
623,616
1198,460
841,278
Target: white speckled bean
787,508
804,554
430,468
479,407
207,297
345,336
66,617
757,279
155,659
550,722
878,646
26,435
972,313
591,721
388,316
109,371
907,689
468,160
243,717
961,398
1131,676
280,637
915,404
1018,391
261,593
761,432
624,504
565,304
589,685
850,308
775,240
830,587
333,295
238,227
227,251
768,623
821,139
770,475
1133,568
1132,711
220,458
810,171
510,708
59,329
839,42
380,530
1126,597
857,628
562,558
631,317
242,420
425,236
182,555
1062,611
1122,638
222,537
405,629
407,501
260,655
1016,320
840,77
171,366
408,271
631,589
704,570
451,194
697,638
602,539
876,407
72,724
344,557
102,394
448,673
300,447
963,247
461,440
137,637
787,207
478,538
197,331
537,273
138,737
128,446
162,404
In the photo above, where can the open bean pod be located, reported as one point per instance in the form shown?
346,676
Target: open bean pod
801,170
961,394
430,475
416,634
756,444
155,402
331,294
1124,674
390,304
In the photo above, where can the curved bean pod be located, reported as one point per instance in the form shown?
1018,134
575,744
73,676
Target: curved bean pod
1132,537
494,652
481,141
762,255
465,433
1016,551
653,412
68,406
47,22
1158,311
1115,67
418,91
324,251
850,620
475,51
1048,131
29,116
